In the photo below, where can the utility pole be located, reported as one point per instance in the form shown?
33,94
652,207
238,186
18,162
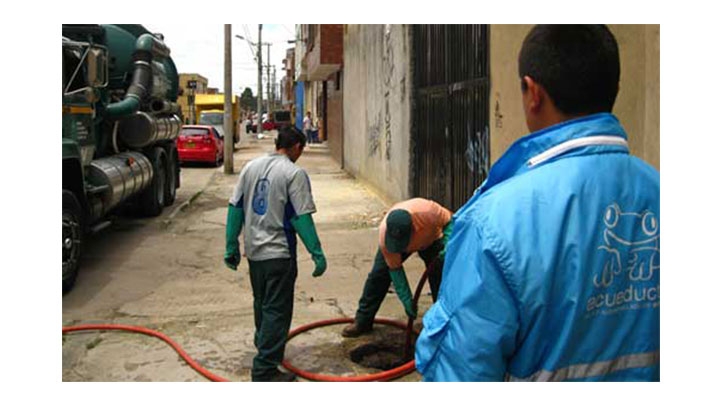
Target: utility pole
259,90
228,123
274,88
268,76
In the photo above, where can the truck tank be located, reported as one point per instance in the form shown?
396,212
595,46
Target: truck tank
144,74
126,174
120,120
138,110
121,41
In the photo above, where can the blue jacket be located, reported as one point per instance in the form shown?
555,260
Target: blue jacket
553,268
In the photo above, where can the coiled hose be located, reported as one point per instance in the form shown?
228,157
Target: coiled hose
388,375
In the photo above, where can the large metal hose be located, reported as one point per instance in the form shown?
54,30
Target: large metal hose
146,47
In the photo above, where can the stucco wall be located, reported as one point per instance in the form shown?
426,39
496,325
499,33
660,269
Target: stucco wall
376,107
637,105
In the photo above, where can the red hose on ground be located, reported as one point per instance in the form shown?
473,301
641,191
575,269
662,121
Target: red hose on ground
139,329
388,375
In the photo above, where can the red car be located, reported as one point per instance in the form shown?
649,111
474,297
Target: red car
200,143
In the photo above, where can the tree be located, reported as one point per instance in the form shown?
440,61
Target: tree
247,100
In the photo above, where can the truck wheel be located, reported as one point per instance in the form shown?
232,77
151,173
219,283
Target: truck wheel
71,239
170,181
152,200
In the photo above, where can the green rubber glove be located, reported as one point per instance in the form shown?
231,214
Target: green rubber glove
305,227
447,232
403,290
235,219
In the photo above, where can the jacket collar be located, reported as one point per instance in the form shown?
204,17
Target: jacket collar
596,133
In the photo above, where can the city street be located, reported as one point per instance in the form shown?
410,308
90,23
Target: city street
167,274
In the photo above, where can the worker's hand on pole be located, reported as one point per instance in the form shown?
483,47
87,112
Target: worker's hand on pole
399,280
234,223
305,227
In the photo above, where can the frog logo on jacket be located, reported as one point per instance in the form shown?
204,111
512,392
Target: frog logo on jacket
631,246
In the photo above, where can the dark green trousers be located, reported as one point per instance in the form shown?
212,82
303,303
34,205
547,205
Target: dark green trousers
273,284
378,282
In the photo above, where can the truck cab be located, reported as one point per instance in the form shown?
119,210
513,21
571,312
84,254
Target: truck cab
216,118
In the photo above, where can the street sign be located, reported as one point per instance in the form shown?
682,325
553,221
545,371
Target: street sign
192,84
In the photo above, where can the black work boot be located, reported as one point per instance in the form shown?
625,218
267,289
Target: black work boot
355,330
276,376
283,377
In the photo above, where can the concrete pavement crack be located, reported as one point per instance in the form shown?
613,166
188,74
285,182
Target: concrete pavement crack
333,302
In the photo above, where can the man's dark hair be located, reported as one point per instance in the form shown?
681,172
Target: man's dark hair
288,136
578,65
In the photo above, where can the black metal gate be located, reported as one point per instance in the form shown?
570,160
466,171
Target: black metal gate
450,119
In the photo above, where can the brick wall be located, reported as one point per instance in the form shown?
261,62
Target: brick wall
331,44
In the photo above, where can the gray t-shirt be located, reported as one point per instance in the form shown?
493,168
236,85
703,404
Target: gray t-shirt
272,190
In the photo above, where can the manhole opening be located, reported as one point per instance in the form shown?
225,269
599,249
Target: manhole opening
382,356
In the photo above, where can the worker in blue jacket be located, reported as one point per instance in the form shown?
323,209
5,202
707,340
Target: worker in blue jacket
552,272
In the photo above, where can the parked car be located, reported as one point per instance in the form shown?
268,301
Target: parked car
281,118
268,126
200,143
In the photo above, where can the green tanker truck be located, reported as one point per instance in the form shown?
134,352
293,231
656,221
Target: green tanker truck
120,119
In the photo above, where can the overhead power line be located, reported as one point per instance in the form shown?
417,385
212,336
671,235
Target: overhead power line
248,40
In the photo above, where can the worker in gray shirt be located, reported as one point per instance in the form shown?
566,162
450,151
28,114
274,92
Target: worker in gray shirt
273,199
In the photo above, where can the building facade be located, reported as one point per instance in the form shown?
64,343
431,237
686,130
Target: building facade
427,109
319,64
190,84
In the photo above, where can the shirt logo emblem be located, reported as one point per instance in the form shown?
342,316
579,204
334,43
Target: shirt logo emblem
260,196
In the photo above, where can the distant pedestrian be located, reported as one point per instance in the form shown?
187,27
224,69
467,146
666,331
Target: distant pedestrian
309,128
415,225
272,197
553,269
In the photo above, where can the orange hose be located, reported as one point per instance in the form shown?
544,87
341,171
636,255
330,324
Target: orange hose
139,329
388,375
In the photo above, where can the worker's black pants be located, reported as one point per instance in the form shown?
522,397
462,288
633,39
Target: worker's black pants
378,282
273,284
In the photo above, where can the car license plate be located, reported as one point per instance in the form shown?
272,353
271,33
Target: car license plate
190,145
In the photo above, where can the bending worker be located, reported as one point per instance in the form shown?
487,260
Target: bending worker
415,225
273,198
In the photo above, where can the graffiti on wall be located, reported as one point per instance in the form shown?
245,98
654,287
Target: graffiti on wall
388,67
477,156
380,131
374,132
498,114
